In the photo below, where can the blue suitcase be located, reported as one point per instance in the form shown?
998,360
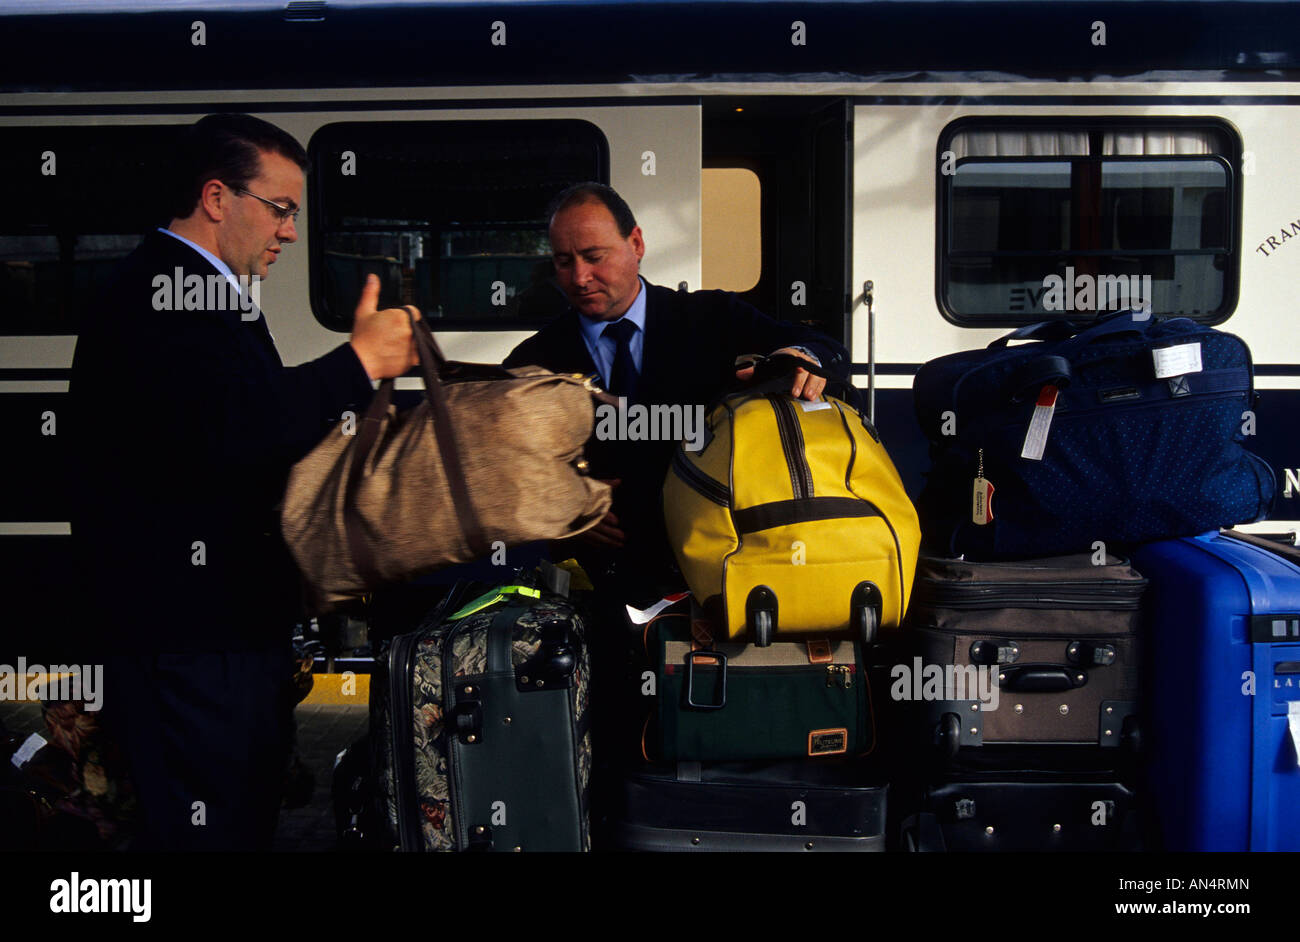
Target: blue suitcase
1223,616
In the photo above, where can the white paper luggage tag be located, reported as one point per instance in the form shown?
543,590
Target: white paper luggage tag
643,615
31,745
1175,361
1036,434
982,496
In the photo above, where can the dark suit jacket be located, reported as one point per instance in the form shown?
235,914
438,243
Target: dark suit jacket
690,347
186,424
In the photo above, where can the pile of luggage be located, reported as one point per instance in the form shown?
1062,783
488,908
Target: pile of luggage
1123,437
1075,636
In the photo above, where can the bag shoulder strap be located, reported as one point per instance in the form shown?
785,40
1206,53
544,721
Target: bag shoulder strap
448,452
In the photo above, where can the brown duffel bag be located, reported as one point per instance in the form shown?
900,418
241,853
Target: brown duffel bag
491,456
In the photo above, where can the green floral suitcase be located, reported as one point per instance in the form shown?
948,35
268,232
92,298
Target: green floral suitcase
491,748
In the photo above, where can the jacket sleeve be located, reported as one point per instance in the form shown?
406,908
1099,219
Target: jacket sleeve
241,419
315,394
755,332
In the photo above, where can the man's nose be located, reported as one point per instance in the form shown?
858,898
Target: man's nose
287,231
581,273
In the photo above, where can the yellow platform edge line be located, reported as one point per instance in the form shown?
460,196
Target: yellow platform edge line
339,690
327,689
44,678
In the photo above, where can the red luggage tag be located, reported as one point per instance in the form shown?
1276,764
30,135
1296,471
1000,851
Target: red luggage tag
1036,435
644,615
982,496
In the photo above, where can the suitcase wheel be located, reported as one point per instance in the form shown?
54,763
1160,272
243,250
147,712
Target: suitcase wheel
864,611
947,735
760,614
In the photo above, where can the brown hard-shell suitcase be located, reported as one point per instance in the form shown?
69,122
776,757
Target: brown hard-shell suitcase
1041,651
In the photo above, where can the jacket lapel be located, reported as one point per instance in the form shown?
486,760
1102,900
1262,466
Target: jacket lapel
191,262
571,349
657,380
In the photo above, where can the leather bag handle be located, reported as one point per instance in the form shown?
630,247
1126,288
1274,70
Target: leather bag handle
1043,330
448,449
431,357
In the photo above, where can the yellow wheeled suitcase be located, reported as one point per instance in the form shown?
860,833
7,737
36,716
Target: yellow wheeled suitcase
791,518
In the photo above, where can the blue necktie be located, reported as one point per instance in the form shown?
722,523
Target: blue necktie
623,378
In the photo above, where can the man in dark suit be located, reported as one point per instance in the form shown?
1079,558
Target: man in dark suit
187,426
654,346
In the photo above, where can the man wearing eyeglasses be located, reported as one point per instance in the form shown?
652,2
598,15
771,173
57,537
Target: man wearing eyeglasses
187,423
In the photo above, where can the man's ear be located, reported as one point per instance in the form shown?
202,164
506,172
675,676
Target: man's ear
638,243
213,199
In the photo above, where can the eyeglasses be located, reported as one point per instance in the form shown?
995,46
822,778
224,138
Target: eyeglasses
282,213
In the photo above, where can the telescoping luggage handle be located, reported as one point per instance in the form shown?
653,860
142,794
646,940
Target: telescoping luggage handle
431,358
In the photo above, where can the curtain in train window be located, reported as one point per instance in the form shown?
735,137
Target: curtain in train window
1042,222
450,214
76,200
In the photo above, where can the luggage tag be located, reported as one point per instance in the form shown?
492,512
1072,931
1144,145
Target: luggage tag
1177,360
1036,434
557,580
644,615
982,496
578,578
32,745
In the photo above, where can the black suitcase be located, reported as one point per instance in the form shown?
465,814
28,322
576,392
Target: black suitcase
480,724
745,806
1050,647
1033,812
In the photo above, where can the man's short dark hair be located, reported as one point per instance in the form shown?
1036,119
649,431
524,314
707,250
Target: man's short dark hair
226,147
581,193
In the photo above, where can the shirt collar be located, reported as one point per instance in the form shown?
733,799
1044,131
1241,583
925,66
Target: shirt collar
636,314
217,263
592,330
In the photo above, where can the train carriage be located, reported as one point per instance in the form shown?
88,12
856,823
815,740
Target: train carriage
912,178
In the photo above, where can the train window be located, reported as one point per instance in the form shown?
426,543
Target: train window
76,200
1040,221
731,199
450,214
